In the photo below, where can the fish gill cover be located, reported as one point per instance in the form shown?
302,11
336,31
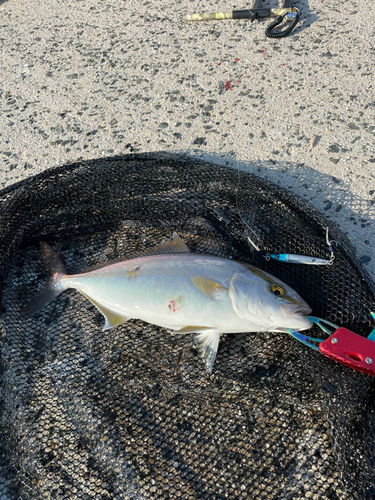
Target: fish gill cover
130,413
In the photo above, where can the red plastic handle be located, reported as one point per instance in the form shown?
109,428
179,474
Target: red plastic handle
350,349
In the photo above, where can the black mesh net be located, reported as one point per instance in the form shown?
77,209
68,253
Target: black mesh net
131,413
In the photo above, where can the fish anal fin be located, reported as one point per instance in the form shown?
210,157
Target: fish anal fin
207,344
209,287
112,318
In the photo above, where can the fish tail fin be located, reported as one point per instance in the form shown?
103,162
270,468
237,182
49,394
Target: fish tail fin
53,288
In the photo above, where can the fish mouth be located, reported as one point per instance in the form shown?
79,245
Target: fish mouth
290,310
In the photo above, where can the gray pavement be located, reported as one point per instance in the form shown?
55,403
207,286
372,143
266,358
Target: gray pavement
84,79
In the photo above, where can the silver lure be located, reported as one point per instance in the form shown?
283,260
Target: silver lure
292,258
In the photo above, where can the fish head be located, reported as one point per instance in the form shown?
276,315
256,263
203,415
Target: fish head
292,308
267,302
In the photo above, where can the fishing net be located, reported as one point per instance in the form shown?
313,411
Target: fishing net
130,413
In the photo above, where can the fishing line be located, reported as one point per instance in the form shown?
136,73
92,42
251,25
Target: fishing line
257,248
289,258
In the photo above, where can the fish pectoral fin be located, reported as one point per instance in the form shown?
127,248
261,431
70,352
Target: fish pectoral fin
207,344
112,318
192,329
210,288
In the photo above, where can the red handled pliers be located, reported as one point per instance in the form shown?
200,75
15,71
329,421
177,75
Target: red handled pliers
343,345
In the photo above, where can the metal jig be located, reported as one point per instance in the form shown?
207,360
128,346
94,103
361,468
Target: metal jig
291,258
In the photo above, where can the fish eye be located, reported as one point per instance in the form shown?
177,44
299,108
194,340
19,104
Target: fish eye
277,290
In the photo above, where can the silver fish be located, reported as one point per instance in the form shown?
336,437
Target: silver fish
185,292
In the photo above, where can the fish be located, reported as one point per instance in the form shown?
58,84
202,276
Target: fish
182,291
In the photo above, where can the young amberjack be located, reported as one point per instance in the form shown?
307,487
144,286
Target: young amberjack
185,292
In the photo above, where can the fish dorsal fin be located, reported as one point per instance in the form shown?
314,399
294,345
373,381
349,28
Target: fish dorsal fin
207,286
176,245
112,318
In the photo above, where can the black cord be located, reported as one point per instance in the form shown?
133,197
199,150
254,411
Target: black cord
279,20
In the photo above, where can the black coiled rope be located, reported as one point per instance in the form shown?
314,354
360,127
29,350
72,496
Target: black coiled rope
279,20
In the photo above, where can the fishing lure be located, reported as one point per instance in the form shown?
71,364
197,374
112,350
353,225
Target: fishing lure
292,258
289,258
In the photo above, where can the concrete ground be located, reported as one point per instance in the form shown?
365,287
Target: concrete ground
84,79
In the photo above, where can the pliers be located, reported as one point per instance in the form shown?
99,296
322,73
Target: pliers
342,345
